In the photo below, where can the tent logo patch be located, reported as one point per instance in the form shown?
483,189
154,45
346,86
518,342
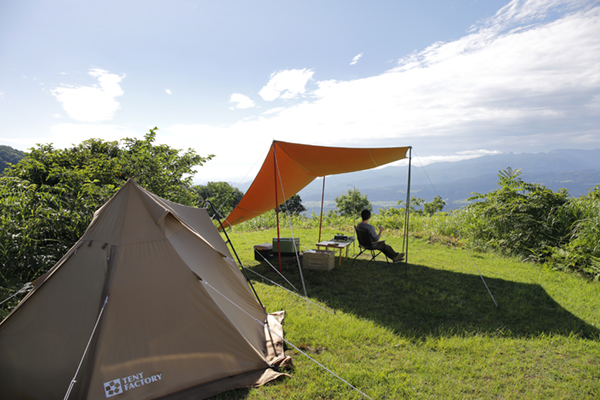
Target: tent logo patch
118,386
113,388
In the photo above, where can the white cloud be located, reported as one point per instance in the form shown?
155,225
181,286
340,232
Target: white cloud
286,84
274,110
356,58
168,91
91,103
241,100
525,80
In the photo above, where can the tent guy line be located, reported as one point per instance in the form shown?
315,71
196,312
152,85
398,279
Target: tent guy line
288,342
74,380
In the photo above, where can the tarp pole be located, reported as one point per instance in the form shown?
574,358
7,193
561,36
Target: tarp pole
322,201
277,206
407,213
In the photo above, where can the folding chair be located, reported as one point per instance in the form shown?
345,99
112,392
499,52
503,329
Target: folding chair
365,244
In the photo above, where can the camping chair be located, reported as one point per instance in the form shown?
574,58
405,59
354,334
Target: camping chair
365,244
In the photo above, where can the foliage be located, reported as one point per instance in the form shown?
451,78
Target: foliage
436,205
222,196
582,252
428,208
521,218
47,200
352,203
293,205
8,155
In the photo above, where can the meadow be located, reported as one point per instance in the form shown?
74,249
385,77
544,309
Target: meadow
430,328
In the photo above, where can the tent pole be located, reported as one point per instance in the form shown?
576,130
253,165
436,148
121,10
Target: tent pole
322,201
277,206
407,212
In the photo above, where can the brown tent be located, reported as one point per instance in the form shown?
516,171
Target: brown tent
148,304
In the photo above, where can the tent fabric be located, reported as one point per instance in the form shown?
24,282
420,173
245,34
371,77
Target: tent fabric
162,332
289,167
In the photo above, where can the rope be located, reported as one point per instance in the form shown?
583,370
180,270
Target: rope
286,341
28,286
85,351
268,262
293,240
480,274
294,293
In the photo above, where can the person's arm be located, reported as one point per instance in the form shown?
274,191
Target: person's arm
373,233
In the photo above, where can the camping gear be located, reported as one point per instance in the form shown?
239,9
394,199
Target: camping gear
289,167
263,251
287,246
147,304
322,260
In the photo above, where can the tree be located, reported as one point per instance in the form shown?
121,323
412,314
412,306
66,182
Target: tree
293,205
353,203
222,196
521,218
47,200
414,203
436,205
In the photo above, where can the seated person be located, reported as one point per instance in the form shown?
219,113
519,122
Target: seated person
385,248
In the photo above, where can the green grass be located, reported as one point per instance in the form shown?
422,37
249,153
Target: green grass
432,331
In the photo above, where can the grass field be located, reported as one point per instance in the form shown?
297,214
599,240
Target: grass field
432,331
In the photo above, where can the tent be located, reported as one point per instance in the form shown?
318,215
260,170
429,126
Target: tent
147,304
289,167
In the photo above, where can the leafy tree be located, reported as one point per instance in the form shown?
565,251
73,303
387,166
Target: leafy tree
352,203
222,196
293,205
436,205
47,200
414,203
522,218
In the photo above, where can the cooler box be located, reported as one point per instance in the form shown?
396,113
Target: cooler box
287,246
263,251
322,260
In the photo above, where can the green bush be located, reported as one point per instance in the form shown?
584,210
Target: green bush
48,199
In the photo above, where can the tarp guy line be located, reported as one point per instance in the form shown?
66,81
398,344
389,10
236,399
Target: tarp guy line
267,261
288,342
292,231
294,293
28,286
481,276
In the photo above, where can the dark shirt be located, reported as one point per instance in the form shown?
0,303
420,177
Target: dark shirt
372,232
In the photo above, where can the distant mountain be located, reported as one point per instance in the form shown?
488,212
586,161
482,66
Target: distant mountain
9,155
575,170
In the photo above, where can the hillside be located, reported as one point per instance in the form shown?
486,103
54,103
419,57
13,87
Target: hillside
575,170
9,155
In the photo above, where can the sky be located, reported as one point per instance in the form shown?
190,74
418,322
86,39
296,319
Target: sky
453,79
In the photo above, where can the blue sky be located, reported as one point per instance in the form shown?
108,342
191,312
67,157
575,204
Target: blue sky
453,79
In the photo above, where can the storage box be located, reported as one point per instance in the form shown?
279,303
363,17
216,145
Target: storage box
287,246
263,251
322,260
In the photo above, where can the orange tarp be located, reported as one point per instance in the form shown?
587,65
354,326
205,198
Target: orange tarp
289,167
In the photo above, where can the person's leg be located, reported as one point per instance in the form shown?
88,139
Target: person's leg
387,250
